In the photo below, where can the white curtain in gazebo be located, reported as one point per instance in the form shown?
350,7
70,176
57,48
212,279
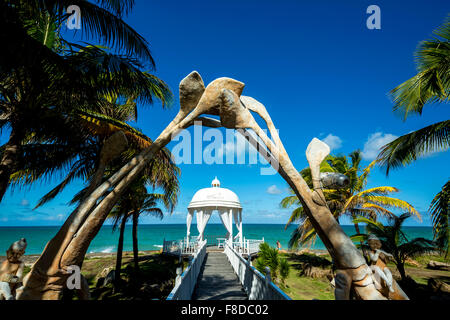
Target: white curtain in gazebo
189,217
202,219
225,216
237,215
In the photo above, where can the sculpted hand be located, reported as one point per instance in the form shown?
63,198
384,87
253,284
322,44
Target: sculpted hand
14,279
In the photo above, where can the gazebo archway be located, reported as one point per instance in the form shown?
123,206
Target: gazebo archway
207,200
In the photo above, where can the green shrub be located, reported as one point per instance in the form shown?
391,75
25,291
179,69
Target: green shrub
269,257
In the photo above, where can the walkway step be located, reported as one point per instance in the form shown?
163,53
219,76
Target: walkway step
217,280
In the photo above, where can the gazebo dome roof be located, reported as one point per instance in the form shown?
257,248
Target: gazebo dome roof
215,197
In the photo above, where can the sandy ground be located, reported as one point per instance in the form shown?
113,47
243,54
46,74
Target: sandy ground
30,259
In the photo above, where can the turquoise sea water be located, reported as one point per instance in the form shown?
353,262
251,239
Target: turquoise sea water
151,236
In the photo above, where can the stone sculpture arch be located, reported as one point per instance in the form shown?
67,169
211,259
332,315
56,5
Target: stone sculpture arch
223,98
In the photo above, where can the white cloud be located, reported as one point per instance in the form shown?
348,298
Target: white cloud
374,143
235,147
273,190
334,142
24,203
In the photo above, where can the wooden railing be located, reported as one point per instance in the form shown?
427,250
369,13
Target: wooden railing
256,285
248,246
178,247
185,283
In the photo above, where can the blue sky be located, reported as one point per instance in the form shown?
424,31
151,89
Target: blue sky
315,66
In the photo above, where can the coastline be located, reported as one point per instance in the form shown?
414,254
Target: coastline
30,259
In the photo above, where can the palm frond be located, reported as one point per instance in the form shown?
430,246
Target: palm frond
298,215
104,23
378,209
393,203
440,216
417,247
289,201
410,147
432,82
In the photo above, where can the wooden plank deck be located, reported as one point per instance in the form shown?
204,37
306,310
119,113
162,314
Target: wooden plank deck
217,280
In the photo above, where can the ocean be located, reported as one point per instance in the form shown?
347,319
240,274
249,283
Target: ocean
151,236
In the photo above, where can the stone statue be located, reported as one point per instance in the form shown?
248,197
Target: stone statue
378,260
221,98
11,270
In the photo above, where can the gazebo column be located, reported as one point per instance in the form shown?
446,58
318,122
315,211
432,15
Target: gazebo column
241,231
237,215
189,217
230,217
199,224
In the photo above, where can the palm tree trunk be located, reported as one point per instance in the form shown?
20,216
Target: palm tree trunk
401,270
9,158
357,230
119,253
135,240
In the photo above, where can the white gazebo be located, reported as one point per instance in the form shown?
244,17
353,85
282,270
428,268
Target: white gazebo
207,200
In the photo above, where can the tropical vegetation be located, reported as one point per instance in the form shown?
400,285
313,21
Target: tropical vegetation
50,88
67,104
268,257
136,202
354,200
430,86
394,240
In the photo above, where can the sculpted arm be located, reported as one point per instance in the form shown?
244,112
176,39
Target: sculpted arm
374,256
19,273
386,254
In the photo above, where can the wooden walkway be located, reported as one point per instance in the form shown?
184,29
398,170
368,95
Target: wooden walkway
217,280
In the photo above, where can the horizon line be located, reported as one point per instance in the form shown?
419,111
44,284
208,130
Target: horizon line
167,224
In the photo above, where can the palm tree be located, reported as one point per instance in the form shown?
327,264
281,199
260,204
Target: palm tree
440,215
132,204
145,203
119,217
42,94
353,201
431,85
84,159
394,241
269,257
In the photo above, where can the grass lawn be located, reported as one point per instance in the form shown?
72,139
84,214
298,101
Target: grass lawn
155,279
420,273
158,273
306,288
300,287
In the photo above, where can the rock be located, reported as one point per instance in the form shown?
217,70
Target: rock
435,265
150,288
413,262
105,277
315,272
438,286
104,273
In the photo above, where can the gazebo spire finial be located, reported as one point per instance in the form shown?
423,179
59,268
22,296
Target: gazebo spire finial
215,183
